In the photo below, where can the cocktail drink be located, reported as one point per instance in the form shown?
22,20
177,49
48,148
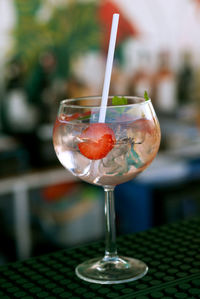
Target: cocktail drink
107,154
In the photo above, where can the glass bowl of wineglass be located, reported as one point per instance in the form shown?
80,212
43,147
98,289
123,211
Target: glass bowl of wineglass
107,154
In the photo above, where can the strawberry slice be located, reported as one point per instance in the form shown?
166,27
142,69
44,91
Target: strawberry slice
143,125
74,116
71,117
65,118
97,141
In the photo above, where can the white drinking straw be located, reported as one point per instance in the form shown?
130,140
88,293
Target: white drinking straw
109,64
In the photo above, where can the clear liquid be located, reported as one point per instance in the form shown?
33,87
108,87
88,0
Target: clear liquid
134,150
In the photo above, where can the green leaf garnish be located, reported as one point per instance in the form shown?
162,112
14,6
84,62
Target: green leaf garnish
146,96
117,101
134,158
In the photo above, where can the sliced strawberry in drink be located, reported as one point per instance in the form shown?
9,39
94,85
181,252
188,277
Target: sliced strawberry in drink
65,118
79,116
71,117
144,125
97,141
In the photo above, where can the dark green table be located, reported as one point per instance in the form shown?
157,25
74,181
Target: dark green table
172,253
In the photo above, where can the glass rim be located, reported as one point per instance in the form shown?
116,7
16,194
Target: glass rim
98,97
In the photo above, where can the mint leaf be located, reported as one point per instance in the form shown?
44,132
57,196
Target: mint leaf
117,101
146,96
134,158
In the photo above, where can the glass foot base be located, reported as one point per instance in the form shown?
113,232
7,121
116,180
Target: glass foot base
112,270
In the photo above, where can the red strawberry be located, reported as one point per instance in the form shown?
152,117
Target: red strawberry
98,140
143,125
71,117
65,118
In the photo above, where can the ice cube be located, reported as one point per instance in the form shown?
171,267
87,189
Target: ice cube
115,161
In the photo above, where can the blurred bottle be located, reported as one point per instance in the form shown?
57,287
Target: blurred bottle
119,83
142,78
185,80
165,85
197,95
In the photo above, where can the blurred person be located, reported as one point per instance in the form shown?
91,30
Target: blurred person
19,115
39,85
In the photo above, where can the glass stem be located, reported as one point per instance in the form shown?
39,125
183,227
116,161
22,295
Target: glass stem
110,246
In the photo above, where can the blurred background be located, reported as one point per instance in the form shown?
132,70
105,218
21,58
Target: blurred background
54,49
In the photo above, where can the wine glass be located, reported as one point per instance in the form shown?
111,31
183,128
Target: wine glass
107,154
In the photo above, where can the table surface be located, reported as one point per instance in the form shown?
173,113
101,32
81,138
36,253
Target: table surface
172,253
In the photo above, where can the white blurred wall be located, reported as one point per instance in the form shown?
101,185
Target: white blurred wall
172,24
